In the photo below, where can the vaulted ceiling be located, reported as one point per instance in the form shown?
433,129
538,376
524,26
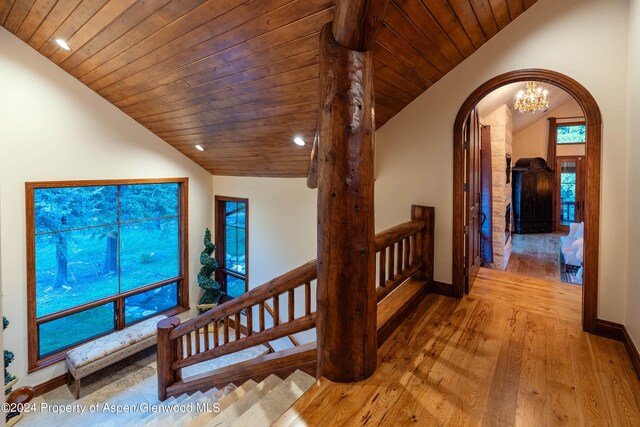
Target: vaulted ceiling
240,77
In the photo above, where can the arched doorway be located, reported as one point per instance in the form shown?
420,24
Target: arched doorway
592,195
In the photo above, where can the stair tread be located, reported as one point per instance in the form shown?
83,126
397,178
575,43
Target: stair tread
226,416
271,406
202,405
228,400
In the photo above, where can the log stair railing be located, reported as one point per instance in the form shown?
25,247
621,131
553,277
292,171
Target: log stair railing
403,252
244,329
182,345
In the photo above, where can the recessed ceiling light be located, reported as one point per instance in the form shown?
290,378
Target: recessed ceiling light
63,44
299,141
199,147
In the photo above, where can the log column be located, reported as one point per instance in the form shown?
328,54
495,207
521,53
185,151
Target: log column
346,312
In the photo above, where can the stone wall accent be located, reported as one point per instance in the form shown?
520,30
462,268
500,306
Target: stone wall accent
501,123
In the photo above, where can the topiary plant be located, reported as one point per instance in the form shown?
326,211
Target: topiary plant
8,358
212,289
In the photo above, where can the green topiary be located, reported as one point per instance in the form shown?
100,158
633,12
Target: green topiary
8,358
212,289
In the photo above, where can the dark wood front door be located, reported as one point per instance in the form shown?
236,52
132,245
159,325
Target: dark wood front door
473,199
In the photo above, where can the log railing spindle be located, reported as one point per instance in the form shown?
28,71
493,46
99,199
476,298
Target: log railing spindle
383,270
276,310
292,302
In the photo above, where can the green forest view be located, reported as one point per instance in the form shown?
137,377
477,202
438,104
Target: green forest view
97,241
571,134
235,245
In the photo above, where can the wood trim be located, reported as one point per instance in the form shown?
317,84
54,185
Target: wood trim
580,186
54,358
102,301
555,133
32,327
441,288
611,330
552,164
34,363
619,332
183,288
220,215
398,233
634,354
593,154
400,305
52,384
105,182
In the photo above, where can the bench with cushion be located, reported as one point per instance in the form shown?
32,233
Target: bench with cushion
104,351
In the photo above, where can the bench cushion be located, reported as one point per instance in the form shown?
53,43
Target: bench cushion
97,349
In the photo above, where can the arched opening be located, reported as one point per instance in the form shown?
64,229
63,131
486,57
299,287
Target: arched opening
592,194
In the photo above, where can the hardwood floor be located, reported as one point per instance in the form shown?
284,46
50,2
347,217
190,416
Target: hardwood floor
510,353
536,255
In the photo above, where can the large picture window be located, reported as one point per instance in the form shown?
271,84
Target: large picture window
232,244
102,255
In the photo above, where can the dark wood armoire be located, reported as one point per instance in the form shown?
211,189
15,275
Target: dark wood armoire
532,184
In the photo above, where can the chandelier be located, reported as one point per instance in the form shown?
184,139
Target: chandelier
532,98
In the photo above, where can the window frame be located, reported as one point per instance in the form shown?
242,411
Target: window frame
182,279
574,123
220,241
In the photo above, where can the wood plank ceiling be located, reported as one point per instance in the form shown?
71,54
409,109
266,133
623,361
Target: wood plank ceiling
240,77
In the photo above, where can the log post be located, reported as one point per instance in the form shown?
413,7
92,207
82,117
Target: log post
167,355
347,302
424,250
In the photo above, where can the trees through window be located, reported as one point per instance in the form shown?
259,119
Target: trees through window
102,255
571,133
232,244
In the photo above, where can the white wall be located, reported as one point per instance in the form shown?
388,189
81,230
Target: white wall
52,127
584,39
632,321
282,226
282,222
532,141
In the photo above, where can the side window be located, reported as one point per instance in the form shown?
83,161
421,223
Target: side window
232,244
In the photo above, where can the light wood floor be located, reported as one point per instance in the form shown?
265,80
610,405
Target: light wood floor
510,353
536,255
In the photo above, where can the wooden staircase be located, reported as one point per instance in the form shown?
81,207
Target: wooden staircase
251,404
404,271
